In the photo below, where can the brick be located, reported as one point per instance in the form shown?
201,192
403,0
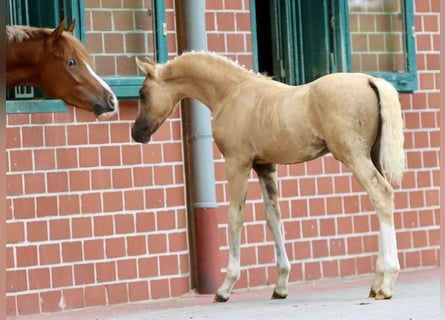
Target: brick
83,274
110,156
15,232
157,243
166,220
16,280
49,254
57,181
62,276
93,249
148,267
59,229
28,303
145,221
72,251
312,271
66,158
136,245
99,133
302,250
154,198
11,306
32,136
175,196
124,223
81,227
126,269
138,291
69,204
10,263
112,201
101,20
79,180
26,256
337,247
117,293
115,247
103,225
14,185
37,231
106,271
50,301
44,159
122,178
91,202
159,288
330,269
20,160
134,200
89,157
34,183
95,296
177,242
113,42
309,228
39,278
77,134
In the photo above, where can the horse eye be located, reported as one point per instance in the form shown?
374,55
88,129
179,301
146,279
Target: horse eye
72,62
141,95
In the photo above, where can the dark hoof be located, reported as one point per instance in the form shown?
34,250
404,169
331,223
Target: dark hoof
218,298
276,295
378,295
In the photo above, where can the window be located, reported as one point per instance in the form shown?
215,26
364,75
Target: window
298,41
122,29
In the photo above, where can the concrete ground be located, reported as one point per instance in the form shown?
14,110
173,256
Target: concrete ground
416,297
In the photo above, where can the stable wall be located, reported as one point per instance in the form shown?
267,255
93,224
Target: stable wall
95,219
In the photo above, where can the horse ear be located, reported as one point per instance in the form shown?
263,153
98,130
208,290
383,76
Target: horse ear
71,26
55,35
147,66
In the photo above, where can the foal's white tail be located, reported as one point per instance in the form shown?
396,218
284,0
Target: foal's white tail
392,154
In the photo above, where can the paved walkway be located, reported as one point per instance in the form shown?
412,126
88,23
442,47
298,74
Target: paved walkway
416,297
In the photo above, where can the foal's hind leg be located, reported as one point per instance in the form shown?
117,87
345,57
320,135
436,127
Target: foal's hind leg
267,176
382,197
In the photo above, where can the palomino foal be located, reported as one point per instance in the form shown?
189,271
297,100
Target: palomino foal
59,64
259,122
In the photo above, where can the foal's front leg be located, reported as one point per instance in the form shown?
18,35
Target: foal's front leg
237,180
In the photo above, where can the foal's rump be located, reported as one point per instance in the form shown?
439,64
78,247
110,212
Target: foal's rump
355,112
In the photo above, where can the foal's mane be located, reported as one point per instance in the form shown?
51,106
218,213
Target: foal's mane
199,62
69,43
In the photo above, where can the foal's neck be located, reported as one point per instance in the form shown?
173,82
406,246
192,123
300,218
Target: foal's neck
206,77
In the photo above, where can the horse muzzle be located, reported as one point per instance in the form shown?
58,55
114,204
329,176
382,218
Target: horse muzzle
141,131
106,108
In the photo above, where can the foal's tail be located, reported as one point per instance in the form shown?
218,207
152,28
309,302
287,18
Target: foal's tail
391,143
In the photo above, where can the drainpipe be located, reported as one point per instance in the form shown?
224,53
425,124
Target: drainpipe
202,172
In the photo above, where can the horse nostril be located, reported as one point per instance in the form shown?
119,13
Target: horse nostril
112,102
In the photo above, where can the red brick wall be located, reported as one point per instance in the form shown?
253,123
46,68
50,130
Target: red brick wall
95,219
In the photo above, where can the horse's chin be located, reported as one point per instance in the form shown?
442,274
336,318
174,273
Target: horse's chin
106,115
142,138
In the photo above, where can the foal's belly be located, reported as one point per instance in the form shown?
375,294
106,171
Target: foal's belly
288,153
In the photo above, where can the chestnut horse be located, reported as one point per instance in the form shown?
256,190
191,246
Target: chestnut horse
59,64
259,123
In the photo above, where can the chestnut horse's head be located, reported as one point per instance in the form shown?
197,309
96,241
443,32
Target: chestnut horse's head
64,71
157,102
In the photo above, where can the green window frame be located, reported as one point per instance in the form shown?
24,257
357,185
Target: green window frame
312,38
50,15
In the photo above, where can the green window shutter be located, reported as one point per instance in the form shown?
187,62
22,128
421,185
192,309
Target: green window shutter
308,39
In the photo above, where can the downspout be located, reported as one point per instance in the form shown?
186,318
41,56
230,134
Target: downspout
200,144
